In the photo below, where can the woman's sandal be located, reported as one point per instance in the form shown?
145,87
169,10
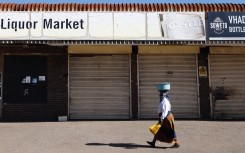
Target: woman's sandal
151,144
176,145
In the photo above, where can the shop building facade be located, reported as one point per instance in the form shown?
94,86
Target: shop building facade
110,73
34,82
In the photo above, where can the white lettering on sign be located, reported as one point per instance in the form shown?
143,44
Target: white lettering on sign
183,25
237,19
236,29
218,25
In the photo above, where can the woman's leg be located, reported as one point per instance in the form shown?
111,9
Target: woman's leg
153,142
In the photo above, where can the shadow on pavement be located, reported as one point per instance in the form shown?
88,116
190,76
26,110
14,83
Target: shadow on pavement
124,145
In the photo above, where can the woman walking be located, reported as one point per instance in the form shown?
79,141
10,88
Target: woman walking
166,133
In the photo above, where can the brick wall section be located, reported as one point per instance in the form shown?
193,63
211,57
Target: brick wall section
205,110
57,90
57,85
134,82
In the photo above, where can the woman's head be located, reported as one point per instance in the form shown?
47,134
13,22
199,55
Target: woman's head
163,93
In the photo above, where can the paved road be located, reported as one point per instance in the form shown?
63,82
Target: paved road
119,137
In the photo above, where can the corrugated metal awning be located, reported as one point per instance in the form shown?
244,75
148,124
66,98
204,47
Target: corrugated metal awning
129,7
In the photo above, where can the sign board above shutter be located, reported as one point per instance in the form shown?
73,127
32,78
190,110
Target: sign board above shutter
172,26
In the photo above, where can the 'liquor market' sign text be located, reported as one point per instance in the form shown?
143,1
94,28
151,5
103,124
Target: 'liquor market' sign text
102,25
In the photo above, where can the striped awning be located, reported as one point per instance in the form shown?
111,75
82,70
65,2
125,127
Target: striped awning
152,7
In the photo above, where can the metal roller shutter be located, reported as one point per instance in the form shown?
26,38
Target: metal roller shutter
99,87
227,74
181,72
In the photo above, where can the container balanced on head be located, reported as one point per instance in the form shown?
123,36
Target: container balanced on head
166,133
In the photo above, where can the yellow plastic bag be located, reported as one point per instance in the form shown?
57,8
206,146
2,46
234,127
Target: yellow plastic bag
154,128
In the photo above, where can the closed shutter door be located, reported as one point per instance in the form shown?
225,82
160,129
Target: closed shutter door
99,87
227,73
181,72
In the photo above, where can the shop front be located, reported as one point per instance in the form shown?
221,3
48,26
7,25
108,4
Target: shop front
102,61
226,80
99,82
174,64
226,64
33,81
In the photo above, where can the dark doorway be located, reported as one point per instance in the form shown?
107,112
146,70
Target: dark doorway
25,79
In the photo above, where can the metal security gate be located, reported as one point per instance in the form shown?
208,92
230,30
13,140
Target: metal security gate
181,72
99,87
227,77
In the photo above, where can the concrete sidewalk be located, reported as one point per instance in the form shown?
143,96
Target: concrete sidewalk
119,137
